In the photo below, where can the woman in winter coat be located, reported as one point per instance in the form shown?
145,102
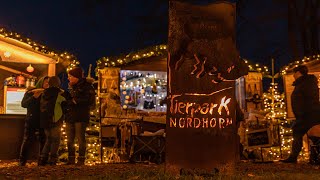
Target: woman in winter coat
32,130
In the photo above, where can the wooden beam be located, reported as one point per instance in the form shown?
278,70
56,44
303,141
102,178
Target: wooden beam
15,71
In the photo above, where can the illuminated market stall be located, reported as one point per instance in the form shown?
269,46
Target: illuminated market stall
312,62
22,63
133,89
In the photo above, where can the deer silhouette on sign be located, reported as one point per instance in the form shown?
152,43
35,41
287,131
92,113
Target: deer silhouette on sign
212,50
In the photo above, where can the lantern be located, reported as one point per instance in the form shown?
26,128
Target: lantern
30,69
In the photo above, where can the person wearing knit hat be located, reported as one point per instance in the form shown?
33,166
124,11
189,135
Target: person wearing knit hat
76,72
83,98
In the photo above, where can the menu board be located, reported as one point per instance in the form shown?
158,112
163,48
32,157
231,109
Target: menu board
12,100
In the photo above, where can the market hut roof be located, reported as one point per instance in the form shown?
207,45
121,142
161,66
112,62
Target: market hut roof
153,54
312,62
133,57
64,60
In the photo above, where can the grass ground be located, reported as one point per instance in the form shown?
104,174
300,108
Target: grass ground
244,170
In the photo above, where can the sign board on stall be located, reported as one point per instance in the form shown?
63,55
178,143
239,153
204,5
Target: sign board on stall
12,100
202,67
259,138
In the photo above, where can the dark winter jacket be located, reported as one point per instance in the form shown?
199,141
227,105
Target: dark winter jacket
53,106
83,95
305,99
32,104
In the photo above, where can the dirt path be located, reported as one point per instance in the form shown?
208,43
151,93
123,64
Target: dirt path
11,170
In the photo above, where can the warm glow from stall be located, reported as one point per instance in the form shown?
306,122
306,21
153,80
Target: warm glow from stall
22,55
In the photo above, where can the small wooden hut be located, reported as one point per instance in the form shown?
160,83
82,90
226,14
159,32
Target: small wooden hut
22,61
19,55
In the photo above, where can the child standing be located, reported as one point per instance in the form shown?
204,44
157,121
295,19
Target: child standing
52,108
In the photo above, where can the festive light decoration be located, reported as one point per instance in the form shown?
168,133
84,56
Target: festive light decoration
312,58
256,67
36,46
134,91
153,51
274,105
73,64
92,138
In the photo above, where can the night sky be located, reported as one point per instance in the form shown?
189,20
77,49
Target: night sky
91,29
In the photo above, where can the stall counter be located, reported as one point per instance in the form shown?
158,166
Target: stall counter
11,136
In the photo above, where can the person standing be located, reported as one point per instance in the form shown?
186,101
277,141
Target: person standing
32,130
306,108
83,97
53,105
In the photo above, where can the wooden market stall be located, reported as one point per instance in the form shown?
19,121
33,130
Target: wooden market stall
22,62
132,91
313,65
139,81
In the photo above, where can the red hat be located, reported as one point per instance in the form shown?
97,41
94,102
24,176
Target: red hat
76,72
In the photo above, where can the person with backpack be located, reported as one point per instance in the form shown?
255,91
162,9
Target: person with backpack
83,99
32,130
53,106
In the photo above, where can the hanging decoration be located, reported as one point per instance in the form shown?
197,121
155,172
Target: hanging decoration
30,69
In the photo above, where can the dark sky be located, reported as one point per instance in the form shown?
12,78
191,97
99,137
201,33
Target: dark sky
91,29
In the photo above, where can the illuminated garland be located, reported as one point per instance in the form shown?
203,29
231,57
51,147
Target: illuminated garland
256,67
153,51
72,65
312,58
38,47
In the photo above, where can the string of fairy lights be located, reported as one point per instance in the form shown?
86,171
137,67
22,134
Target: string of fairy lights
304,60
275,106
154,51
40,48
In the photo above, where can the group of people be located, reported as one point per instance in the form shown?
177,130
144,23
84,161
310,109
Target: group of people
48,106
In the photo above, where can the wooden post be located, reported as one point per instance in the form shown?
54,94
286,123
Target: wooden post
52,69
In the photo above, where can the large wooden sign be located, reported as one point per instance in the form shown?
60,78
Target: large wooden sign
203,64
